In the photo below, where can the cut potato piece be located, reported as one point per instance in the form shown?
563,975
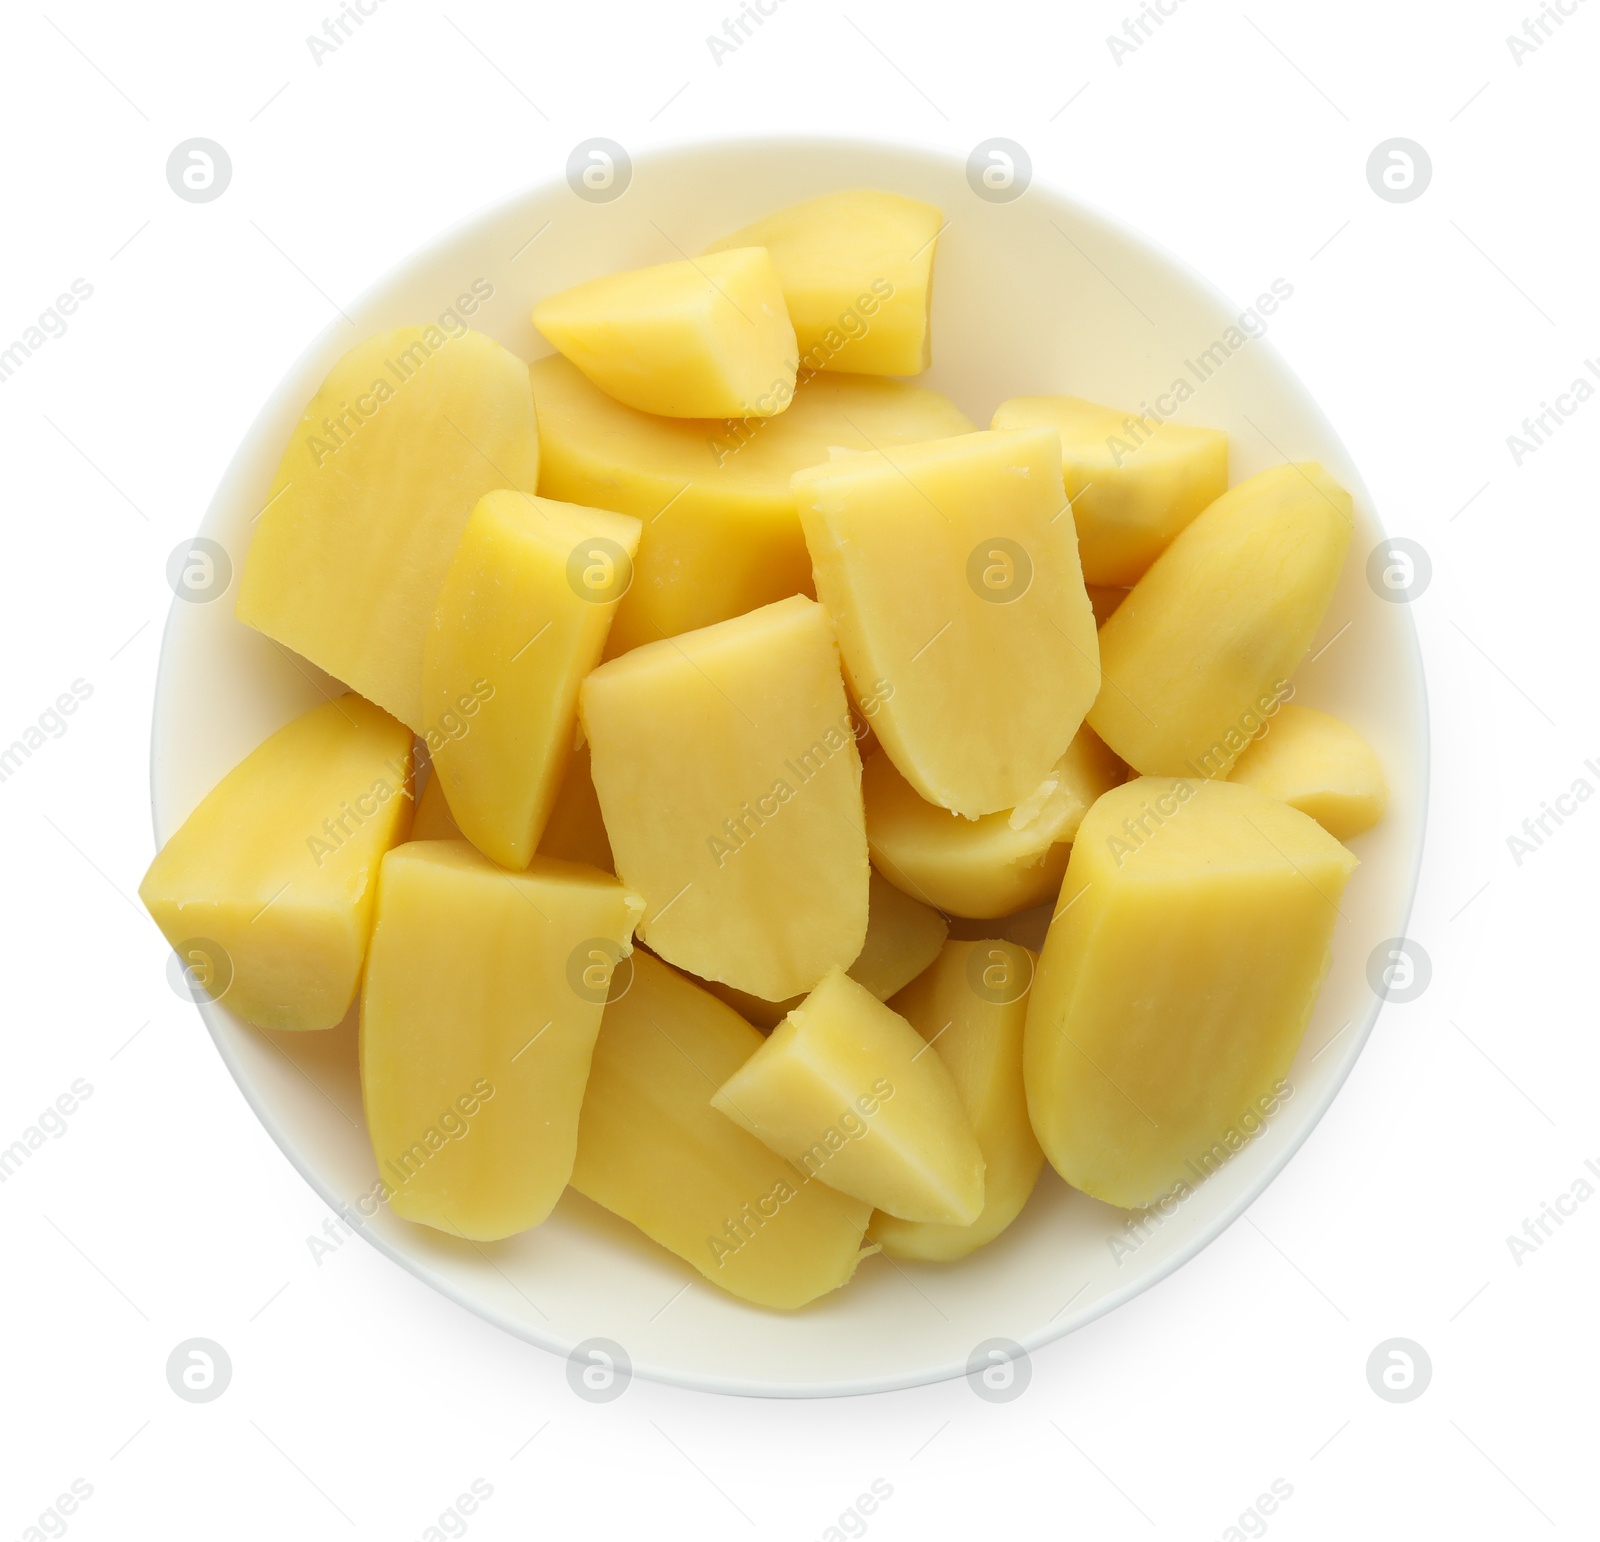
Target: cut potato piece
521,619
266,889
903,938
1202,649
993,866
1134,482
844,1089
477,1023
971,1007
410,429
721,535
653,1150
728,776
703,339
1176,982
950,569
857,275
1319,765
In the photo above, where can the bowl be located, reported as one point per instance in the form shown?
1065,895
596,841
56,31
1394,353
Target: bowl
1034,294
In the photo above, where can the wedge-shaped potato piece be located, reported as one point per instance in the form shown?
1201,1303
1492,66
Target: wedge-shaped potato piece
844,1089
721,535
481,989
521,619
1134,482
951,571
266,889
410,429
971,1007
1176,982
857,274
731,790
996,865
1205,643
703,339
1319,765
653,1150
903,938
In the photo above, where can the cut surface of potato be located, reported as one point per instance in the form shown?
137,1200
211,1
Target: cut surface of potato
993,866
704,339
845,1090
483,997
951,572
1203,647
521,618
1176,982
721,533
857,274
653,1150
1319,765
1134,482
971,1007
266,890
728,776
409,430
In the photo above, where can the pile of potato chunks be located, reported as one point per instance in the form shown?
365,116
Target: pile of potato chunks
720,637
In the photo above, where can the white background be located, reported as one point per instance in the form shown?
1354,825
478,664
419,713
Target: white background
362,1404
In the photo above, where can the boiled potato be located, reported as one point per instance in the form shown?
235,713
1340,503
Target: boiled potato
410,429
1202,649
703,339
1176,982
950,569
478,991
279,863
1317,764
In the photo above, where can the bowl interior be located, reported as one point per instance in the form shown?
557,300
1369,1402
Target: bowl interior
1035,295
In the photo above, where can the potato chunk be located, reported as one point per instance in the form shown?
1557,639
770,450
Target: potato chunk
703,339
728,776
1205,643
1317,764
996,865
844,1089
278,865
478,1019
1176,982
652,1150
857,275
410,429
721,534
521,619
951,571
1134,482
971,1007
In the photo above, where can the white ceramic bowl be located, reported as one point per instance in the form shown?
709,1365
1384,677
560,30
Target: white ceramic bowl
1032,295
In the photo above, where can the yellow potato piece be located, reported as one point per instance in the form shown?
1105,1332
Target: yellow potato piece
1202,649
721,534
1134,482
266,890
410,429
1176,982
857,275
478,1018
703,339
950,569
845,1090
1319,765
971,1007
652,1150
731,789
521,618
993,866
903,938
